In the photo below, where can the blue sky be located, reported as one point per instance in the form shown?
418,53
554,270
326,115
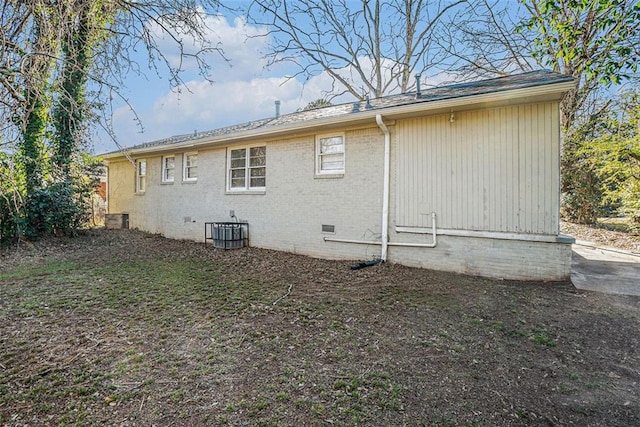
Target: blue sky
243,90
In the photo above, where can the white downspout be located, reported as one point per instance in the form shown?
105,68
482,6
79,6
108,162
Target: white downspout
385,191
385,208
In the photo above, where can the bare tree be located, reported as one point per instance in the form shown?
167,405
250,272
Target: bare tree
33,32
174,34
370,47
486,39
51,51
595,42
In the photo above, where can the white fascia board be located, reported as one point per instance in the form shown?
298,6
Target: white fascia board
553,91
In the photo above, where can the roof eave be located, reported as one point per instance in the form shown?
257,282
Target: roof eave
546,92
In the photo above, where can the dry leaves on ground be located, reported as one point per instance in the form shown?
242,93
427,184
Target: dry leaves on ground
602,236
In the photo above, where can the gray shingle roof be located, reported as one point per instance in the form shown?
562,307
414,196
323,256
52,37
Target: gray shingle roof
519,81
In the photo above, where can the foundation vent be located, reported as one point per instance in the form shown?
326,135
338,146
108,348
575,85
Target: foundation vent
328,228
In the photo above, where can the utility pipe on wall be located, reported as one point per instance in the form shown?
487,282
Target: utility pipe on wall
433,243
385,190
385,207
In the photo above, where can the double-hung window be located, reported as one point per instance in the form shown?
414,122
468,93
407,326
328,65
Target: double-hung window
168,168
190,167
330,154
247,168
141,175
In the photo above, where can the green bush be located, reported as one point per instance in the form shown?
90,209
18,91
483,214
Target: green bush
10,214
54,210
581,186
611,154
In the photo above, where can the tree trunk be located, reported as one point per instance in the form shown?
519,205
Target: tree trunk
68,114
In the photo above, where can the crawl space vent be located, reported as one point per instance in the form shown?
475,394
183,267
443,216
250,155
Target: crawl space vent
328,228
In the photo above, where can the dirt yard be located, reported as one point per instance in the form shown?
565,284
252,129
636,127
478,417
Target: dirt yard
128,329
603,236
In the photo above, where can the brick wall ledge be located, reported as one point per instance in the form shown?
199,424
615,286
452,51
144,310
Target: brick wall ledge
547,238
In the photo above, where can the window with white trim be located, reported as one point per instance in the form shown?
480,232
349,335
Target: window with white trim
141,175
247,168
190,167
168,168
330,154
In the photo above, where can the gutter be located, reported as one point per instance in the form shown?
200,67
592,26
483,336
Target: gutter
516,95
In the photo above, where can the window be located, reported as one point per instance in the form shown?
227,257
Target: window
168,168
247,168
141,175
190,167
329,154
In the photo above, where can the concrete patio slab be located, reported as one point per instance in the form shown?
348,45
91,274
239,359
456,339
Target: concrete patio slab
607,270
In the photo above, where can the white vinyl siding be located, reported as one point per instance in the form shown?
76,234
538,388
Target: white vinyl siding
330,154
247,168
190,167
168,168
491,170
141,175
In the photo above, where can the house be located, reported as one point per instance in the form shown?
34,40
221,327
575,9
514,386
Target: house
462,178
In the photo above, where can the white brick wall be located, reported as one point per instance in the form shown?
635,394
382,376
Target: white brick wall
502,259
290,214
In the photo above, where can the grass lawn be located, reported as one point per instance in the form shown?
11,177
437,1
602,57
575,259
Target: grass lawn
624,225
125,328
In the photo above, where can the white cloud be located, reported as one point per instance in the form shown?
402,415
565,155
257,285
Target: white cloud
206,106
242,89
240,48
243,92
